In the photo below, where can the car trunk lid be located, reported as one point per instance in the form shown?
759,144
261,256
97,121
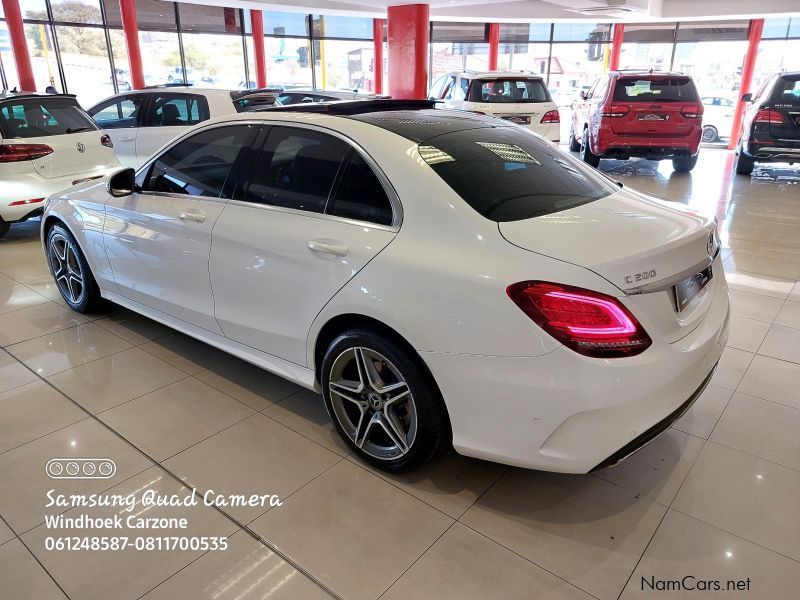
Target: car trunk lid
641,245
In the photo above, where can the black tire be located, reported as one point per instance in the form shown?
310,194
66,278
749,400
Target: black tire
4,227
587,156
684,164
83,297
574,145
744,164
709,135
423,406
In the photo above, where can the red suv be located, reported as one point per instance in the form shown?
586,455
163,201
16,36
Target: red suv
648,114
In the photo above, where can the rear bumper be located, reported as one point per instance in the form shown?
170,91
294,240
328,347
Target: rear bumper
31,185
611,145
568,413
781,151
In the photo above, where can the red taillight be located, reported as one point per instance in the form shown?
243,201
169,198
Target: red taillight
106,141
551,116
692,112
19,152
765,115
588,322
615,110
22,202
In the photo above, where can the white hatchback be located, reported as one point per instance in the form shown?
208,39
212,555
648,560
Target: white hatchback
437,275
47,142
516,96
142,121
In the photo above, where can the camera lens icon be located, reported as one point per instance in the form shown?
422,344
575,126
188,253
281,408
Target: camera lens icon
80,468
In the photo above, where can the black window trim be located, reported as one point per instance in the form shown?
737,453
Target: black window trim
391,193
236,169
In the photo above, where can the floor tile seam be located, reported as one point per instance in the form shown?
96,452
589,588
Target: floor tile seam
525,558
734,534
182,482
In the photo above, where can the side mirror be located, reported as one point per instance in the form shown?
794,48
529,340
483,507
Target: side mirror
584,95
122,183
748,97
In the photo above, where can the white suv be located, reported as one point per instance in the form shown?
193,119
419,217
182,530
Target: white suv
47,143
516,96
141,121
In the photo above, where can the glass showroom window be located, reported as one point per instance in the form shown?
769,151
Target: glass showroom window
779,49
82,12
43,56
84,58
648,46
348,65
8,70
214,60
458,46
161,58
288,62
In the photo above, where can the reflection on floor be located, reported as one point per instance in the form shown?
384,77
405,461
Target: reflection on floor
715,497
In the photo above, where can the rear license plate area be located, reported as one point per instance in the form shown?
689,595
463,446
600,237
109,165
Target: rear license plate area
653,117
519,120
685,291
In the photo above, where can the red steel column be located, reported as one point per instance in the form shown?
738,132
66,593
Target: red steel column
19,46
130,27
616,46
409,32
257,23
494,45
377,63
756,27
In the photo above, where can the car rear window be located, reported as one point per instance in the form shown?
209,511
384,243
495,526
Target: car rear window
509,174
652,89
508,90
42,117
787,91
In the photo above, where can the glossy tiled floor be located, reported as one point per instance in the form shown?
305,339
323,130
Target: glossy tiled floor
716,497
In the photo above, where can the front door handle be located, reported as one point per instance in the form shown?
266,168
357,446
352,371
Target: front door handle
126,139
198,216
328,247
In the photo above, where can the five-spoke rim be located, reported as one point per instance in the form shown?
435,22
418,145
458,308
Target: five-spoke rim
373,403
66,268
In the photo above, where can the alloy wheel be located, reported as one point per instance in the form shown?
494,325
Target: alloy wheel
66,268
373,403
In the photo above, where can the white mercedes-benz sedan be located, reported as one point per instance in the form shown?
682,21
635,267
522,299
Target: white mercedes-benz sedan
47,142
440,276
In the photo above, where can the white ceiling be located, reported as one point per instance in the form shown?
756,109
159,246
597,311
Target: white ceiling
538,10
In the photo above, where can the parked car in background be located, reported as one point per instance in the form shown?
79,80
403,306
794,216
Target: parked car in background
559,322
141,121
516,96
717,118
647,114
771,128
301,96
47,143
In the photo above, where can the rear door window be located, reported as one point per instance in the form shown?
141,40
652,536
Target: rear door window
118,113
177,110
34,117
509,174
651,89
508,90
296,169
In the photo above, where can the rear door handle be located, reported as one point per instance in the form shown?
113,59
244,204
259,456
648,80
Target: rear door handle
198,216
328,247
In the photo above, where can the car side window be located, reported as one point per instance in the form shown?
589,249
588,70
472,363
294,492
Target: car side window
177,110
436,88
360,194
118,113
296,169
200,165
448,89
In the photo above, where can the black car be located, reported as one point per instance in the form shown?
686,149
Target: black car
771,131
